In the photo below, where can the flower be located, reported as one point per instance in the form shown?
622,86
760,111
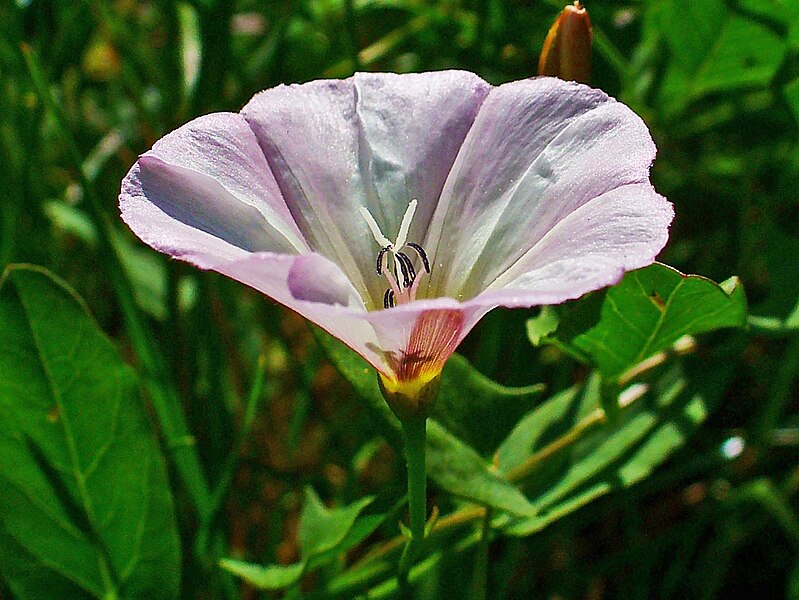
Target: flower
528,193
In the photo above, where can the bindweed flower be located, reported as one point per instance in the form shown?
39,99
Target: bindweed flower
396,210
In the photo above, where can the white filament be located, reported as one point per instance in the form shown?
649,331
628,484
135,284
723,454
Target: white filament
401,294
375,228
402,236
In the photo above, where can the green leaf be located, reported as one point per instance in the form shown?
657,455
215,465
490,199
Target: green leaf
647,312
270,577
324,534
602,455
322,529
551,419
717,48
460,470
85,507
745,54
71,220
690,45
364,379
452,464
478,410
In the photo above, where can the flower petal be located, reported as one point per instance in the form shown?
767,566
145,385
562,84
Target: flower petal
419,337
167,234
592,247
401,343
539,149
210,177
537,191
313,278
298,283
374,140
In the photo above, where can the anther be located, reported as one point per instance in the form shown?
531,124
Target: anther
411,271
391,260
406,276
380,255
422,254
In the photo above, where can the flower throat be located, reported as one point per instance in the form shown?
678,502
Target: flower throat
394,263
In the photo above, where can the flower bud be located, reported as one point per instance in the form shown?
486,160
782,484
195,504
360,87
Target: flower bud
567,48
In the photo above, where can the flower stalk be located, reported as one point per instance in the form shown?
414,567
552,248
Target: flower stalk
414,431
479,585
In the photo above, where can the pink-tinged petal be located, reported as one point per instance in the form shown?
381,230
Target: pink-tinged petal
314,287
210,176
401,343
313,278
592,247
433,339
166,234
418,338
374,140
539,149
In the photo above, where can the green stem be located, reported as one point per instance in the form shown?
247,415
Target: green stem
369,565
222,487
479,586
216,38
414,434
349,21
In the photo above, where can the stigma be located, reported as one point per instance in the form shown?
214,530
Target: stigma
394,260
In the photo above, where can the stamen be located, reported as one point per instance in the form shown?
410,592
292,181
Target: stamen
391,261
414,288
375,228
409,264
406,279
405,225
422,254
380,256
392,283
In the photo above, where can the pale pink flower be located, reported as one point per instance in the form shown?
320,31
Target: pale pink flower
529,193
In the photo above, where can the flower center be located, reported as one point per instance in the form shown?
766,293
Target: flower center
394,263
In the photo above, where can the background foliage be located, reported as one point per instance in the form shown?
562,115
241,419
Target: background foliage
234,419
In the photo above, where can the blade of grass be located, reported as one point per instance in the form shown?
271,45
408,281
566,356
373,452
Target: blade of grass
215,53
352,33
157,380
226,477
780,394
380,48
